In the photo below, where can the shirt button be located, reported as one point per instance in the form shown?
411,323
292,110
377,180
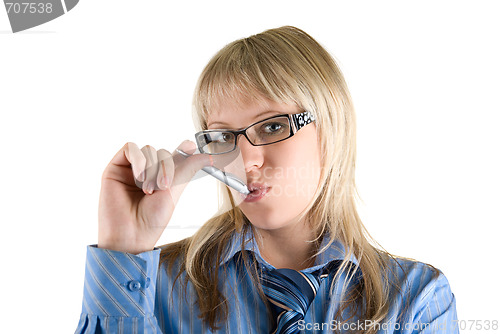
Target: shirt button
134,285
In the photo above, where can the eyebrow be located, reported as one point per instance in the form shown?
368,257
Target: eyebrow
254,119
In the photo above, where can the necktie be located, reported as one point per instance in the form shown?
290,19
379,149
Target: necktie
291,292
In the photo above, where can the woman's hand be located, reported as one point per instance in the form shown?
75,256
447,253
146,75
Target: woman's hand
132,219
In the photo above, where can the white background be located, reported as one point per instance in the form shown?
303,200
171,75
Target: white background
424,76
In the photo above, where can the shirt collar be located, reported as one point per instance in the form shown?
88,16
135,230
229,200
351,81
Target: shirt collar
336,251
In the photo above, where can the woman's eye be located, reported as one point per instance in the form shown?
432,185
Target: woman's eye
224,137
272,128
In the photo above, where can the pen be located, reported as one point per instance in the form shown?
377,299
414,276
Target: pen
226,178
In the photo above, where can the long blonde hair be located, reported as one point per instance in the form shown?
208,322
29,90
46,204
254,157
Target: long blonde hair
287,65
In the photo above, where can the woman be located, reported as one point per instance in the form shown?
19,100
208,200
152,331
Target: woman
294,255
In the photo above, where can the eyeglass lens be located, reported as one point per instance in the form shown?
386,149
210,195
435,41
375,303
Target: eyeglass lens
262,133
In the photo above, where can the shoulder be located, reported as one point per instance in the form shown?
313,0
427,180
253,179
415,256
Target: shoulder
420,288
417,272
418,279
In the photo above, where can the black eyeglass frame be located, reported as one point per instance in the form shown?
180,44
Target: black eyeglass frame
297,121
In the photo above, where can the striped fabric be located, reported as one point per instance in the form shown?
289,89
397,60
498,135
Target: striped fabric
291,293
125,293
119,290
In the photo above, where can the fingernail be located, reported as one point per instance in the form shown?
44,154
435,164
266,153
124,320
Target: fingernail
150,188
166,181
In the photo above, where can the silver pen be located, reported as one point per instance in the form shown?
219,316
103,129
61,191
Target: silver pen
227,178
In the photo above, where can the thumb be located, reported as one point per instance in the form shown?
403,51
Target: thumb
187,167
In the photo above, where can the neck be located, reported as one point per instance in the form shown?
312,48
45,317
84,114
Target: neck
287,247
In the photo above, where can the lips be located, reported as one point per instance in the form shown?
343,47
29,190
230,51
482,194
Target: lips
257,191
257,186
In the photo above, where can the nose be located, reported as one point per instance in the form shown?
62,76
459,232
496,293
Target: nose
253,157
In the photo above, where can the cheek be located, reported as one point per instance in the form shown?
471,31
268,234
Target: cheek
297,176
294,176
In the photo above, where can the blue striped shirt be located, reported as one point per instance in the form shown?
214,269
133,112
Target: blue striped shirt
125,293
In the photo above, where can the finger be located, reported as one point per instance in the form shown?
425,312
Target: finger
130,156
151,170
166,169
187,147
137,159
186,168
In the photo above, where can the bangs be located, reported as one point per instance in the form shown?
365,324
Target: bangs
249,70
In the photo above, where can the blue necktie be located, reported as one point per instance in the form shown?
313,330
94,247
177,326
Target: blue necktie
290,293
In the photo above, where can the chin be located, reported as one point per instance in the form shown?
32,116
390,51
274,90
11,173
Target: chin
267,227
267,216
266,222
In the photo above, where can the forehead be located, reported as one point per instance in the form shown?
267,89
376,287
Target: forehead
241,113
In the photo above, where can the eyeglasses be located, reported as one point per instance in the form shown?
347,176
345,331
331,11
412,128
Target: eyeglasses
268,131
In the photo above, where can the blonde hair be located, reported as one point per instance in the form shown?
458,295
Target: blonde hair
287,65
